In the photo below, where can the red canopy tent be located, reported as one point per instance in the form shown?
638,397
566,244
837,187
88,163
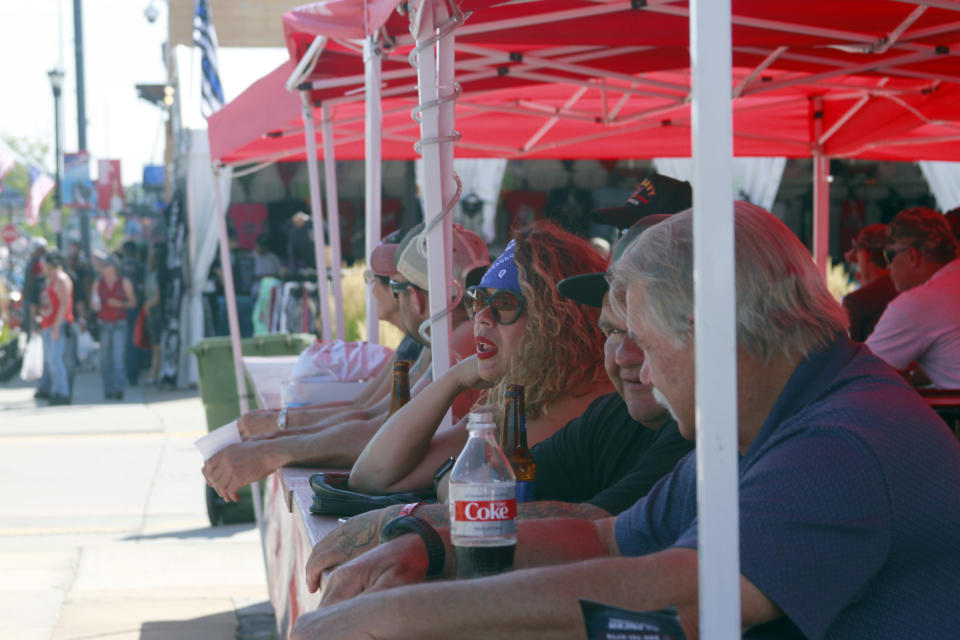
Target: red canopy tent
609,79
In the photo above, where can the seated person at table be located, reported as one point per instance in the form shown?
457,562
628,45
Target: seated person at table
919,332
526,333
865,305
596,466
337,442
848,509
374,400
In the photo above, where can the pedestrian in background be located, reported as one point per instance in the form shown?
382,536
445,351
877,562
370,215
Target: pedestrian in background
33,283
56,310
132,268
113,297
154,310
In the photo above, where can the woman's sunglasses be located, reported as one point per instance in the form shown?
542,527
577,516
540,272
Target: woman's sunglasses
505,306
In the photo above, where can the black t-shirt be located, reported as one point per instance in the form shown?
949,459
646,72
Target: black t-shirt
605,457
408,349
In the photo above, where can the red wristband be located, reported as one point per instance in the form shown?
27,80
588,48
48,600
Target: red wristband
408,509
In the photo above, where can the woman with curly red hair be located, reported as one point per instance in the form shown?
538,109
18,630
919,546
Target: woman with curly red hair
526,333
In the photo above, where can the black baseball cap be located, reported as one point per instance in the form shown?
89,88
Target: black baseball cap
656,193
589,288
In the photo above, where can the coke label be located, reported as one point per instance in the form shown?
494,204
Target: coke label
485,510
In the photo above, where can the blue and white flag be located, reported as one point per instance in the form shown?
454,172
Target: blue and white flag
40,187
205,37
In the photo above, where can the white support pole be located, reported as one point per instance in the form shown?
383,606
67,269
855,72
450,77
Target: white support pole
333,216
439,239
316,209
715,319
236,347
821,193
372,169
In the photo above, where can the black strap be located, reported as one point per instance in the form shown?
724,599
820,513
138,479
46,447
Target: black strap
436,552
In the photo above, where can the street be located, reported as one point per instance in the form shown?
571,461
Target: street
103,525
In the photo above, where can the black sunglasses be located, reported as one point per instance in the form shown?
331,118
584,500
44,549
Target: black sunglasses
370,276
505,306
890,254
397,287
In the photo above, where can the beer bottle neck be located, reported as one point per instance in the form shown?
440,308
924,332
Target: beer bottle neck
401,387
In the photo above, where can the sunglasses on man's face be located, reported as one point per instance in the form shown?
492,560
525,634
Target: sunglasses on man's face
505,306
890,254
370,276
398,287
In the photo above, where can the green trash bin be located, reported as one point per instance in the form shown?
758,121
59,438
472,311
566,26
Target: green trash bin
218,390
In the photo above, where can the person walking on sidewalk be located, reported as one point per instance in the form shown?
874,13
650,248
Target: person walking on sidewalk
113,295
55,326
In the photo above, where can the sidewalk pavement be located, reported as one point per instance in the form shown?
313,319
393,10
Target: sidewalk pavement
103,525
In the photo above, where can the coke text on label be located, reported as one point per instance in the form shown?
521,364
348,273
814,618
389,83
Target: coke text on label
485,510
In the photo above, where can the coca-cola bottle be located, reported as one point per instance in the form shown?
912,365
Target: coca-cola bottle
400,395
513,441
483,503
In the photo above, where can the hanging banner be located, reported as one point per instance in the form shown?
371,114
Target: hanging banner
109,186
78,192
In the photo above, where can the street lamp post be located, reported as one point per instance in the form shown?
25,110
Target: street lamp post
56,83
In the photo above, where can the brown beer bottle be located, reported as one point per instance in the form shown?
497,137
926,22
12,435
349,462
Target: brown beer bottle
401,386
513,441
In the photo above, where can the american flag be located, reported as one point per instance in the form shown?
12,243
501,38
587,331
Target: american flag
205,37
40,187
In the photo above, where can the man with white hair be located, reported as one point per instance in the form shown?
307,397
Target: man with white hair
844,530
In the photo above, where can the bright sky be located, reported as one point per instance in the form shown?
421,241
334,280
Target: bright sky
121,49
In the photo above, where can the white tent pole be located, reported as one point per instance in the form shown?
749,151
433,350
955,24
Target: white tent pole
440,238
372,169
438,242
234,323
715,319
333,216
821,193
316,208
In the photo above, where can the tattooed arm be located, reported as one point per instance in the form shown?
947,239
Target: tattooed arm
361,533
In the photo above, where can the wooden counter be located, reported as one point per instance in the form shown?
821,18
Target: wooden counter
289,530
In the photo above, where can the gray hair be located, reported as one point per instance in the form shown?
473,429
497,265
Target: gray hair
783,306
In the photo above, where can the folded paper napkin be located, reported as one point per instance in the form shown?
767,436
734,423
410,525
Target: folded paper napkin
218,439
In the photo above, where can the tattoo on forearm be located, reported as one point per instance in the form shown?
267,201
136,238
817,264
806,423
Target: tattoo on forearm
354,542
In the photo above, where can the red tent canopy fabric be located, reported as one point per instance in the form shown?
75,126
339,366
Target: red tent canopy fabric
586,79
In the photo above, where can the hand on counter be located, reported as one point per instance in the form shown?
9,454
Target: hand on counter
395,563
355,536
238,465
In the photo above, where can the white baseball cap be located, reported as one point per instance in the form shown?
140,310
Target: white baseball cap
469,252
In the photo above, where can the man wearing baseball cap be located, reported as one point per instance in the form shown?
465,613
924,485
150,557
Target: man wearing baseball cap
470,258
922,324
866,304
655,194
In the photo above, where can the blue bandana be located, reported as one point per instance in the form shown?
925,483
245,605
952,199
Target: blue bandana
503,273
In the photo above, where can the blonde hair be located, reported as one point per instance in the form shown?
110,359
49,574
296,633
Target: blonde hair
561,353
